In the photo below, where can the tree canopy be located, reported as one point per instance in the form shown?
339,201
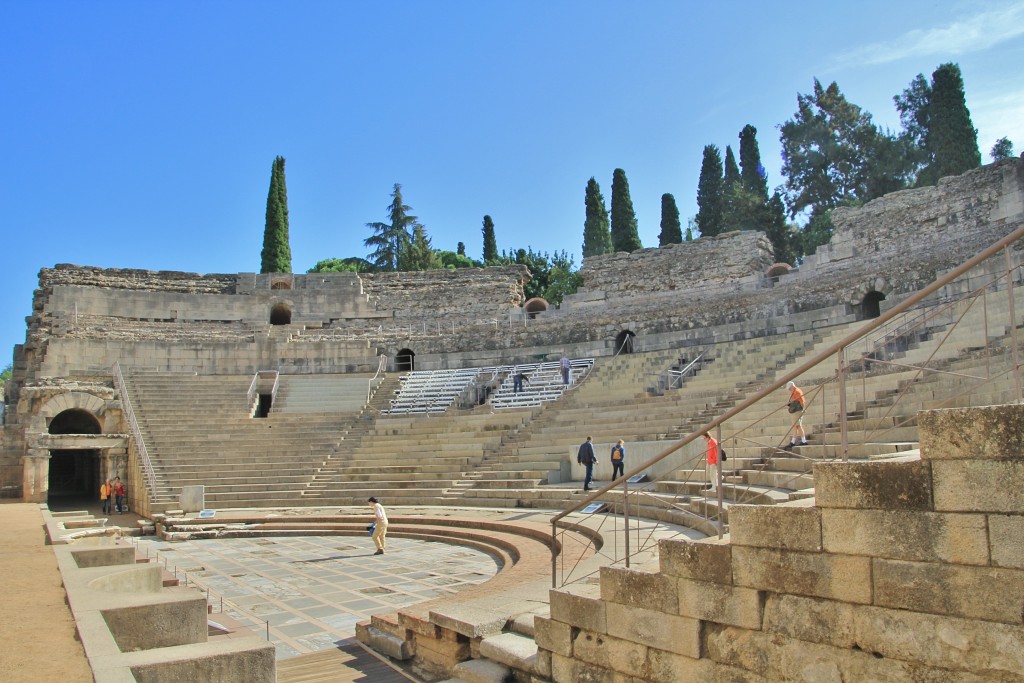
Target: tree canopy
711,193
1003,149
951,138
671,230
391,239
490,241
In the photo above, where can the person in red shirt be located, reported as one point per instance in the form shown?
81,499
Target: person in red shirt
118,495
796,396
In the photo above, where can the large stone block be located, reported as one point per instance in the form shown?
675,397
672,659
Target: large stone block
579,606
1006,538
892,485
972,433
554,636
839,577
814,620
903,535
719,603
655,629
668,667
569,670
989,593
707,560
639,589
978,485
775,526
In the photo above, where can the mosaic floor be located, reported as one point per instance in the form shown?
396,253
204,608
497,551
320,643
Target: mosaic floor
309,592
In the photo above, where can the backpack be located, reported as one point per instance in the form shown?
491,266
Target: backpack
724,456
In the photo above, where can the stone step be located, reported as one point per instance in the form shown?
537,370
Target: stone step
517,652
479,671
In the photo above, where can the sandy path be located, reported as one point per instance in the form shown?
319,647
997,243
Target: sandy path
37,632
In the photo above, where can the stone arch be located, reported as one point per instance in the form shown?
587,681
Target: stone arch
68,401
405,360
624,341
74,421
866,299
281,314
534,306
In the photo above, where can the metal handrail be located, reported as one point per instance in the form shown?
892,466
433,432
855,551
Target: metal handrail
250,397
129,412
836,349
381,365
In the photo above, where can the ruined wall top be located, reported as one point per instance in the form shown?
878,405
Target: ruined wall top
710,260
136,279
468,292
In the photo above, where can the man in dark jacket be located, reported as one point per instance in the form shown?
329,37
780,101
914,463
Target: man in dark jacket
587,458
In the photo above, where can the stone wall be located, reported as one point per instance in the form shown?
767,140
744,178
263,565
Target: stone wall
908,570
463,293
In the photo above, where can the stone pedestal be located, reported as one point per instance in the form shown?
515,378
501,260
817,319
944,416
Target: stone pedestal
193,498
35,482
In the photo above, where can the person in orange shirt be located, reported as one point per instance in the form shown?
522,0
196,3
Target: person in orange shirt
796,399
105,490
712,460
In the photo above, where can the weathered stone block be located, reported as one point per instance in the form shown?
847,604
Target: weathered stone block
608,652
949,643
839,577
902,535
978,485
655,629
639,589
1006,539
554,636
989,593
814,620
707,560
771,526
972,433
668,667
719,603
579,610
568,670
894,485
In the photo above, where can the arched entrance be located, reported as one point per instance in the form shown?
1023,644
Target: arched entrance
73,480
534,306
624,342
405,360
280,314
869,306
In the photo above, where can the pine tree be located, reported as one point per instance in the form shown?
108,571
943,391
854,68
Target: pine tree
276,256
777,230
711,192
418,254
490,242
671,230
952,139
394,237
625,235
460,249
597,238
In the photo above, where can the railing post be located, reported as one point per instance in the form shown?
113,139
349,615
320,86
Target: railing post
625,515
1013,323
554,556
844,436
718,477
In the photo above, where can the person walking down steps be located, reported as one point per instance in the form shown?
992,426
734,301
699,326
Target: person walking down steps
586,457
380,528
797,403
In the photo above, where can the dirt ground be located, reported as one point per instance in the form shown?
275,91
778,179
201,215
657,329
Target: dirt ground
37,632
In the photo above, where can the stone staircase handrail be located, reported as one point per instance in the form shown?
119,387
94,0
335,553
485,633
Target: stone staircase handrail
126,403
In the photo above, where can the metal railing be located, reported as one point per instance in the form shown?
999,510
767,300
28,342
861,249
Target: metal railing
860,364
382,365
140,443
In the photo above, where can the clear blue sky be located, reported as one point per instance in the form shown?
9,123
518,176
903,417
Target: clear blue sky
141,134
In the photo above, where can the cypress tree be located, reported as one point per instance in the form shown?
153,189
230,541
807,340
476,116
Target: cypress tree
460,249
597,238
276,256
777,230
490,243
752,173
711,192
952,139
671,230
625,235
731,184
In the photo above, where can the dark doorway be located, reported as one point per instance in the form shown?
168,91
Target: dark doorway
74,481
405,360
624,342
264,407
870,305
280,315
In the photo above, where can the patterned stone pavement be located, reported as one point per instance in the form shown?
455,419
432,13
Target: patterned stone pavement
308,592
